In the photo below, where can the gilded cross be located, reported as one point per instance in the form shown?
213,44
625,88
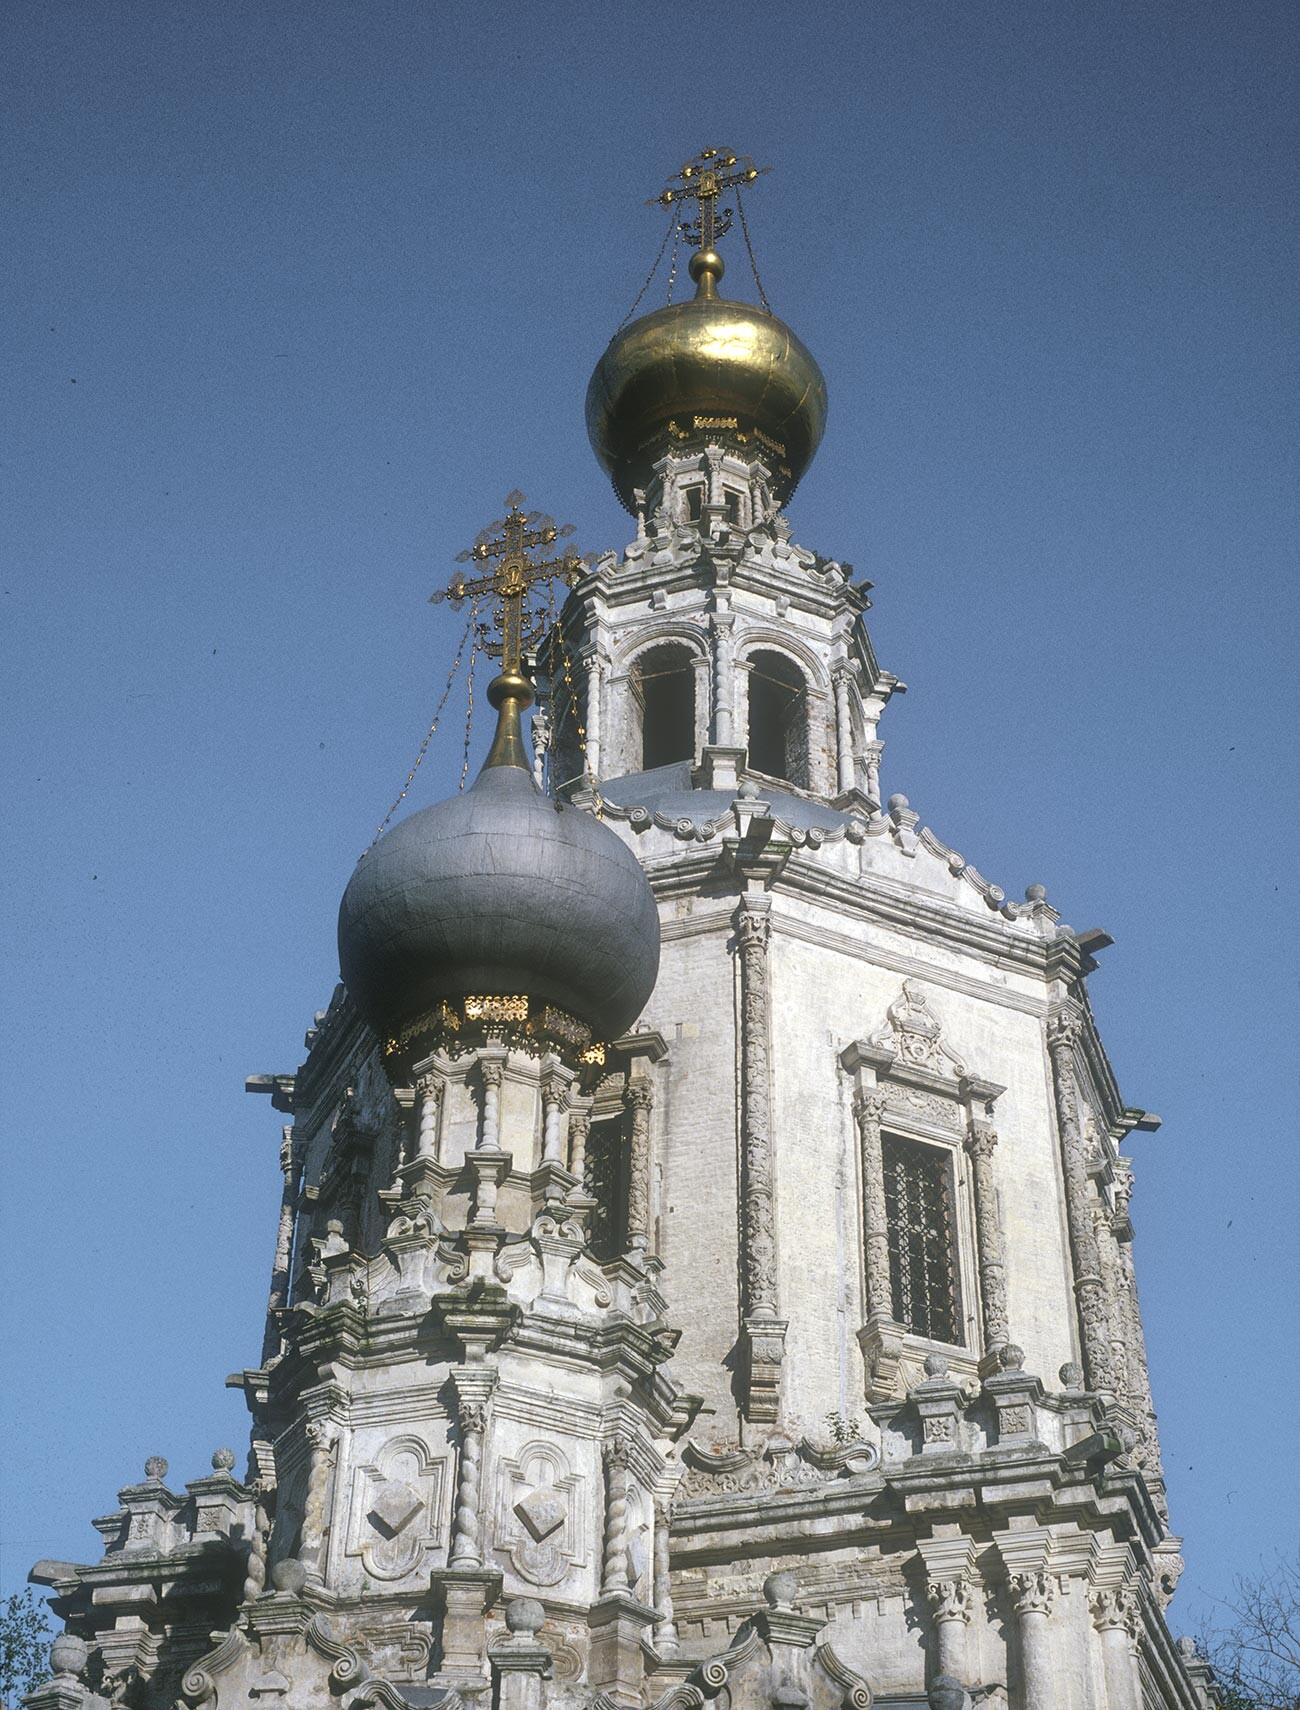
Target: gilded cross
702,181
506,546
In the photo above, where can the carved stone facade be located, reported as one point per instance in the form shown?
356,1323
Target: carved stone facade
591,1384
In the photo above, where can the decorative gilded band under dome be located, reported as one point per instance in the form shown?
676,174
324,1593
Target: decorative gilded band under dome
706,369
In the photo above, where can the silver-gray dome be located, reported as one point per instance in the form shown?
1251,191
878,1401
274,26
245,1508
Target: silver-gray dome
500,891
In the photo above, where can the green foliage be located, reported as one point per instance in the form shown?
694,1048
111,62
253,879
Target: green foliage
24,1635
843,1431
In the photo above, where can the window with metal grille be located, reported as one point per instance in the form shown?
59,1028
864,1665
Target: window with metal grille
606,1182
922,1238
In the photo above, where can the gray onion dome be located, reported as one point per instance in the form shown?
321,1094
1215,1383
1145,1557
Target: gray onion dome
501,891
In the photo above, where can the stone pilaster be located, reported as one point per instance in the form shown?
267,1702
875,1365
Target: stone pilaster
881,1336
1062,1036
492,1071
594,669
981,1141
613,1573
1032,1590
579,1133
724,674
429,1089
765,1331
665,1631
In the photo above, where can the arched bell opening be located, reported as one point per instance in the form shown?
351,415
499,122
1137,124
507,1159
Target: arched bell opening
778,718
663,686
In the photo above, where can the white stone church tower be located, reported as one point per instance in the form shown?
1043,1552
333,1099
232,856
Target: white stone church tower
704,1269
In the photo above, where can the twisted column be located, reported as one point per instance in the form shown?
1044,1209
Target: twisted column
723,677
639,1100
430,1091
1139,1376
579,1132
1062,1036
981,1141
614,1576
466,1547
868,1109
665,1631
758,1235
255,1568
1111,1281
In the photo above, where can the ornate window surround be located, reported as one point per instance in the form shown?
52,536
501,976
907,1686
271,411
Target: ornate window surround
908,1082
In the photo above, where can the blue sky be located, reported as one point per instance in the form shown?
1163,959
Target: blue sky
295,293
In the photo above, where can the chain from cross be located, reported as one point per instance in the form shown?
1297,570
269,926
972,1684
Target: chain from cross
507,545
703,181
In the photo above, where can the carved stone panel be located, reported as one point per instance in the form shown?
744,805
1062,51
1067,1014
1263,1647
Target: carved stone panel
396,1514
539,1514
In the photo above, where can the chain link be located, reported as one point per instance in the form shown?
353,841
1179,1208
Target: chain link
572,705
429,735
744,226
649,278
469,704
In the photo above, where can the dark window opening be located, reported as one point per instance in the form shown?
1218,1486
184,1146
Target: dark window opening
922,1240
694,503
778,721
732,504
664,681
605,1179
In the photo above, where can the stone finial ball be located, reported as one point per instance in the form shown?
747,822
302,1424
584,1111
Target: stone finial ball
69,1654
1011,1357
1071,1375
289,1575
780,1589
896,804
524,1615
223,1460
936,1366
946,1693
1035,893
156,1468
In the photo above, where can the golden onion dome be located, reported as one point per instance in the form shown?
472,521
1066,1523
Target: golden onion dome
705,370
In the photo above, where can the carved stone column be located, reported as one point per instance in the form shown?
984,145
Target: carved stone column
868,1109
311,1553
492,1072
1140,1399
255,1567
950,1609
639,1099
765,1332
981,1141
665,1630
1032,1597
554,1085
844,732
466,1538
871,760
1118,1620
429,1088
595,672
291,1170
614,1575
579,1133
1112,1283
724,672
1062,1036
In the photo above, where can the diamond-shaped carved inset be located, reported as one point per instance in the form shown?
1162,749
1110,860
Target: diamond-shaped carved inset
393,1506
542,1511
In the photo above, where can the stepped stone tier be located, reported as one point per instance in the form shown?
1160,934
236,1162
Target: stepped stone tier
771,1340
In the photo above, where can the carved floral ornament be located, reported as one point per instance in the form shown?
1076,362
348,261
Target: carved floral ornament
913,1034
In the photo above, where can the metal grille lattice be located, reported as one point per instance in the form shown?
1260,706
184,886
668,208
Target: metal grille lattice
606,1182
922,1249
